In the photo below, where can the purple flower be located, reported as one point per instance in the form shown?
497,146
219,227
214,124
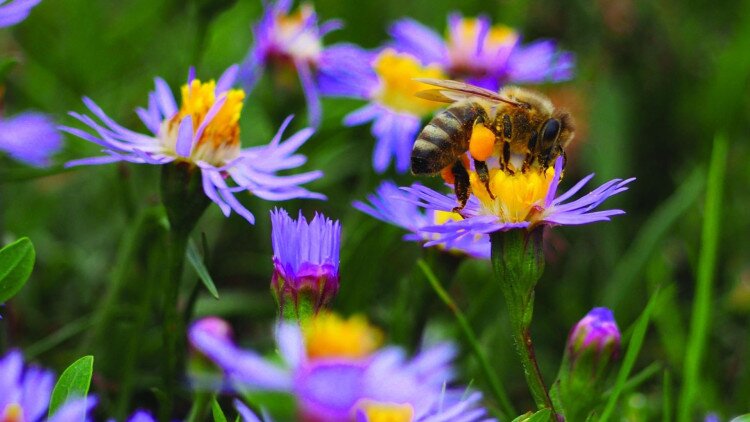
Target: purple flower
14,11
597,331
385,80
305,257
523,200
396,206
25,394
283,38
203,132
477,52
332,387
29,137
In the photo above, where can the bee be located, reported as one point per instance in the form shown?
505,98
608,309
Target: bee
519,126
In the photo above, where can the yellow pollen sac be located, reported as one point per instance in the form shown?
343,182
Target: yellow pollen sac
327,335
397,87
12,413
481,143
224,129
518,197
386,412
442,217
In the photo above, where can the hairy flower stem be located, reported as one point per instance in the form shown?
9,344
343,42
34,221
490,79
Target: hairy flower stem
184,202
518,261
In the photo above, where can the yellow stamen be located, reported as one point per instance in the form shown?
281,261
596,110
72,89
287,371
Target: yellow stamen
12,413
397,87
224,128
297,41
518,197
442,217
468,31
328,335
386,412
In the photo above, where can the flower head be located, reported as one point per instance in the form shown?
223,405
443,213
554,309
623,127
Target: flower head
597,331
203,132
30,137
340,386
522,200
305,258
14,11
396,206
25,394
287,39
483,54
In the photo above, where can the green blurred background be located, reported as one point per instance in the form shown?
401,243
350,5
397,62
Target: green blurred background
656,80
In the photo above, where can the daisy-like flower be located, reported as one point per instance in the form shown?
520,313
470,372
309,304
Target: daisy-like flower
386,81
336,372
483,54
305,258
522,200
293,41
396,206
25,394
203,133
30,137
14,11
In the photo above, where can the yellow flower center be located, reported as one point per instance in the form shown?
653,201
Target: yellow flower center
442,217
329,335
518,197
220,140
12,413
386,412
397,85
463,43
294,39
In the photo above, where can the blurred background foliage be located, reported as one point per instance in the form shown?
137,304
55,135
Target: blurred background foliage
655,81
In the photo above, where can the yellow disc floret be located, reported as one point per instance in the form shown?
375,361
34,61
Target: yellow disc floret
220,140
518,197
397,85
12,413
386,412
327,335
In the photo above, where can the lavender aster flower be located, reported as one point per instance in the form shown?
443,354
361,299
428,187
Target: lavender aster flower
14,11
596,331
334,372
29,137
395,206
204,134
295,39
523,200
305,258
385,80
25,394
483,54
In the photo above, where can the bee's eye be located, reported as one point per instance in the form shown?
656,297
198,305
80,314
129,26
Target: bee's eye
550,131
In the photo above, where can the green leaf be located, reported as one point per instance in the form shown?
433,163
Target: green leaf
73,384
544,415
196,262
217,412
634,347
16,263
701,314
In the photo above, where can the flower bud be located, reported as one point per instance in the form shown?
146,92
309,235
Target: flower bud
592,343
597,332
306,263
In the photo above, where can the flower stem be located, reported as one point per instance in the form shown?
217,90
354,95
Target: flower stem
518,261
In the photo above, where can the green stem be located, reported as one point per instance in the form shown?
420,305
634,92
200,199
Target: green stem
518,261
200,407
497,388
173,325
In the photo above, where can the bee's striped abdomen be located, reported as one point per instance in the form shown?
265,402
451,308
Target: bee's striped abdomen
445,138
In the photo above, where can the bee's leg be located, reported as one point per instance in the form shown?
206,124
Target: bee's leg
461,185
484,175
506,158
530,155
564,156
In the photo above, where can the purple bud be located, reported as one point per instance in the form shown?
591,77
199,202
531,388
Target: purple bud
305,260
597,331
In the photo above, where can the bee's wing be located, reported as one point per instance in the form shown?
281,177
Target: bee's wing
451,91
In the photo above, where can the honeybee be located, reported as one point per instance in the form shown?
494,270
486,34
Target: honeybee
519,126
